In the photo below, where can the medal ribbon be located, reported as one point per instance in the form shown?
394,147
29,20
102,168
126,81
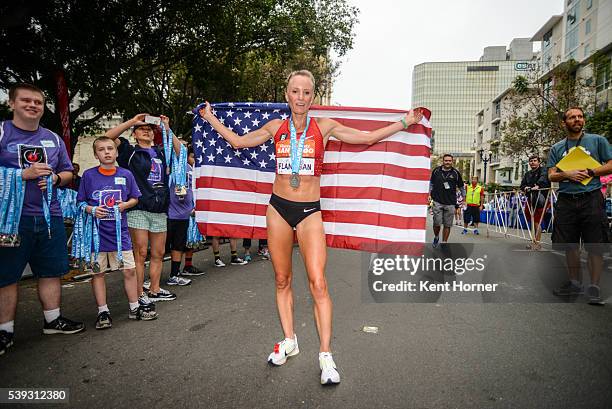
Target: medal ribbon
167,139
297,150
19,195
118,233
179,168
6,185
46,202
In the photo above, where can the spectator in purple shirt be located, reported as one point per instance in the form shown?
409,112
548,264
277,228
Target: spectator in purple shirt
103,187
180,211
39,152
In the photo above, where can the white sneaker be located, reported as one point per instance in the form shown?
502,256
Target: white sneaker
219,263
178,280
329,374
146,285
287,347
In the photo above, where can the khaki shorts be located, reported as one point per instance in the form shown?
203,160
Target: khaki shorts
443,214
151,222
108,260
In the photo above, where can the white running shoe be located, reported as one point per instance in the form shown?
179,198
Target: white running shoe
146,285
329,374
287,347
219,263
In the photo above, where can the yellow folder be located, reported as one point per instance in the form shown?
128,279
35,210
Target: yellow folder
578,159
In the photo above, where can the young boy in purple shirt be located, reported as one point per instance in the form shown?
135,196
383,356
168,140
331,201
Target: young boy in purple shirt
102,188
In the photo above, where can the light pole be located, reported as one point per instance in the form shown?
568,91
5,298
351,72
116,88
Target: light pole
485,158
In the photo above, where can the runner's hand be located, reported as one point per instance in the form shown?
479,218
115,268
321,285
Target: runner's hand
206,111
414,116
122,206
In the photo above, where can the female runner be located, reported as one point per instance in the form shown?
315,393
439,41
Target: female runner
295,204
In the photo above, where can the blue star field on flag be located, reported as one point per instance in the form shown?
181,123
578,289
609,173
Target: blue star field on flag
211,149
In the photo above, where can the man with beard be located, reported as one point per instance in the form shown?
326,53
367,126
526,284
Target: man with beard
443,185
579,211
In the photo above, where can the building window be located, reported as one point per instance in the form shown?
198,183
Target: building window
603,80
587,27
546,39
587,50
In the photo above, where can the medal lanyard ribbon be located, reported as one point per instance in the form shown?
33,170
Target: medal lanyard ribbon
167,139
6,185
117,214
96,239
194,237
78,232
179,168
297,149
19,195
46,202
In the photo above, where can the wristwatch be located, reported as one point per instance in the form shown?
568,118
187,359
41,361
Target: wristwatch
58,180
591,172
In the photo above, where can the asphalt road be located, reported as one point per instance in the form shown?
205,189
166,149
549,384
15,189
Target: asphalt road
208,348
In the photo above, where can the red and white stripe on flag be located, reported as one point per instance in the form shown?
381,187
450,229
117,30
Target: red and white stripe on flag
373,198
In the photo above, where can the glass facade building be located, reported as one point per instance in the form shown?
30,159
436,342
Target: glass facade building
455,92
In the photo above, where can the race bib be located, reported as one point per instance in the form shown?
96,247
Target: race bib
283,157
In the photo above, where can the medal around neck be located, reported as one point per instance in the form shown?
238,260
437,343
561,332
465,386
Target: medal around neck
294,181
297,152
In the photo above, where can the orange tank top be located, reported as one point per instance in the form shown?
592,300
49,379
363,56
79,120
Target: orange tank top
312,158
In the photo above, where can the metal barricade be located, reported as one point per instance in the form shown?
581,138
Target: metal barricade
506,215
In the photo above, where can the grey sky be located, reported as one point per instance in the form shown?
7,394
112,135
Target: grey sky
394,36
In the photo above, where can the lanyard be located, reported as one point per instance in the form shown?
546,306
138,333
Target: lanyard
179,169
297,149
6,185
567,143
167,139
118,234
46,202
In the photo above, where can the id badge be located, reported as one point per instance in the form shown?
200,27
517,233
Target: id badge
446,185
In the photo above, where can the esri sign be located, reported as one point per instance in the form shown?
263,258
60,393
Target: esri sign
525,66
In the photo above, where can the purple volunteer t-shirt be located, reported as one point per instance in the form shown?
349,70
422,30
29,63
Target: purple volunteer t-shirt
19,149
102,190
181,209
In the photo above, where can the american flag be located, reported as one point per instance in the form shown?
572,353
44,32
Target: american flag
373,198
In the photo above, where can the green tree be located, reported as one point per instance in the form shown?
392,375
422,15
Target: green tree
5,112
600,123
129,56
536,106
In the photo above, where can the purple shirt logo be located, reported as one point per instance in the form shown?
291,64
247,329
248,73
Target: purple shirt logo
29,154
108,198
